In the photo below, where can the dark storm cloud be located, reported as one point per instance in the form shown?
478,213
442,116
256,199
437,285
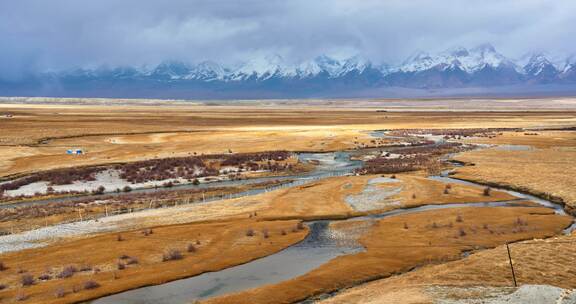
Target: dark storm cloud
57,34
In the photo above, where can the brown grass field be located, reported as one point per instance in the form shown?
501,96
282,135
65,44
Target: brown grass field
37,136
391,248
404,254
544,170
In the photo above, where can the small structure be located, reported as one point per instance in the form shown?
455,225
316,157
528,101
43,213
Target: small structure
74,152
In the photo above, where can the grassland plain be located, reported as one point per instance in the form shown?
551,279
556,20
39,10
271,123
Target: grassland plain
216,246
397,244
543,168
36,137
541,262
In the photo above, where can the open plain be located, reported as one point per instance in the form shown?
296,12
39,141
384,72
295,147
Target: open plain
175,202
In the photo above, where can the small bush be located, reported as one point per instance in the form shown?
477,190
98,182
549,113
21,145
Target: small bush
85,267
132,261
265,233
124,257
283,232
300,226
413,196
197,242
2,286
405,225
250,232
119,238
59,292
434,225
121,266
91,285
459,218
191,248
67,272
461,232
172,255
486,191
485,226
2,266
44,277
27,280
127,189
20,296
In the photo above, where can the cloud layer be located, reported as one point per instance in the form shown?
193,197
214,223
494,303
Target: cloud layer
39,35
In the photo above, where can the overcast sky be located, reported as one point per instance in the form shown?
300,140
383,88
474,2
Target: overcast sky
58,34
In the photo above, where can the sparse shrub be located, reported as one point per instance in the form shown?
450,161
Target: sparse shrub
132,261
461,232
250,232
487,191
413,196
127,189
168,184
447,189
76,288
283,232
434,225
393,177
21,296
124,257
265,233
191,248
2,266
2,286
521,222
85,267
459,218
121,266
99,190
59,292
485,226
67,272
91,285
27,280
172,255
196,182
300,226
44,277
405,225
119,238
197,242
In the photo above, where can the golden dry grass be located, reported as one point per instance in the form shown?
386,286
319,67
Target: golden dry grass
128,133
548,262
393,248
544,171
221,245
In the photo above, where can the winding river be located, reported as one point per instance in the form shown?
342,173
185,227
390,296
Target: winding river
321,245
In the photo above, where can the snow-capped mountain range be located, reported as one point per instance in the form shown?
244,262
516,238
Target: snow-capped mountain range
481,66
